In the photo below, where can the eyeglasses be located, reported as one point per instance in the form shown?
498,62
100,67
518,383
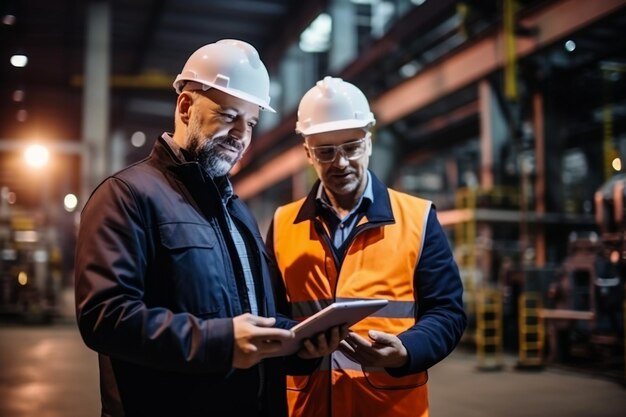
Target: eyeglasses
350,150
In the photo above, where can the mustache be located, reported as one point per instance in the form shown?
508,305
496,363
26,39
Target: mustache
335,171
229,141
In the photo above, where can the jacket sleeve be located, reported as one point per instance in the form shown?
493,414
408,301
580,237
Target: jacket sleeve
441,319
113,266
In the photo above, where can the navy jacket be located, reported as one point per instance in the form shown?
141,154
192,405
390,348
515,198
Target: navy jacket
156,290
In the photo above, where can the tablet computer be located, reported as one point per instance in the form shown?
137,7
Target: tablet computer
349,312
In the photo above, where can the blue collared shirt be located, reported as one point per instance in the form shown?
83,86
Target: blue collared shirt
227,192
340,228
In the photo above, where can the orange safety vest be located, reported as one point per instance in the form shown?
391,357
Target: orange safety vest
380,262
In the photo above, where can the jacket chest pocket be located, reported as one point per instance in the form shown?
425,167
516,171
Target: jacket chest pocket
177,237
193,265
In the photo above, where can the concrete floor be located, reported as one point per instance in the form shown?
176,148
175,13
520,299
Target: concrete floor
46,371
457,388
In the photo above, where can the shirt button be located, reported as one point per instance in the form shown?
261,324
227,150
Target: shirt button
341,225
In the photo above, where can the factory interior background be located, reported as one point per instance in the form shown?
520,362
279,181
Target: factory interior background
509,115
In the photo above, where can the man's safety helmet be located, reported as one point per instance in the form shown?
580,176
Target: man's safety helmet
231,66
333,104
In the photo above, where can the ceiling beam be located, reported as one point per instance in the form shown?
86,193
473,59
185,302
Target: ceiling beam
459,69
486,55
418,19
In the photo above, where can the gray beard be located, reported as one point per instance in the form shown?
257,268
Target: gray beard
211,162
207,153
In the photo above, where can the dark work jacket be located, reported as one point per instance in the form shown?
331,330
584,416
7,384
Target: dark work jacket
156,290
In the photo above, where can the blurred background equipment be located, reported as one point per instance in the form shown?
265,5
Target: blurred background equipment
509,115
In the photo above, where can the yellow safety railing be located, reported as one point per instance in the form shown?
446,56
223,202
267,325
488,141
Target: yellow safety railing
465,247
531,330
489,329
465,251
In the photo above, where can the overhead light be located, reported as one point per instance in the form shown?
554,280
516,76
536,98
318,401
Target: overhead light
617,164
8,196
410,69
70,201
8,19
21,115
570,45
19,61
18,95
138,139
27,236
316,37
36,156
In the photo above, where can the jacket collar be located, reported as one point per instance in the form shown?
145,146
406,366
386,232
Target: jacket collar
378,211
167,154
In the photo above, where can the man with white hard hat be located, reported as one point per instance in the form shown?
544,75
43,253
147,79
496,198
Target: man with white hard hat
172,284
354,238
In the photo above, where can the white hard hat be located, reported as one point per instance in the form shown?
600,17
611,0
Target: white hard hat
333,104
231,66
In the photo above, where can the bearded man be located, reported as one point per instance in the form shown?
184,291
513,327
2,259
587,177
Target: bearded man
172,285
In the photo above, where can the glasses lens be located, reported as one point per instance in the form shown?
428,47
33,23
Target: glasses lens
325,153
351,151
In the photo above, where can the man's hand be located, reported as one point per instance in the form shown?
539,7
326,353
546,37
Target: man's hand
256,339
323,344
385,350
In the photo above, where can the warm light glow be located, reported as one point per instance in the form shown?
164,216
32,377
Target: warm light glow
617,164
22,278
30,236
36,156
21,115
70,202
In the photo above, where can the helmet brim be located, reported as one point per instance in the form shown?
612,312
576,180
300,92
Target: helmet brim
336,125
180,82
245,97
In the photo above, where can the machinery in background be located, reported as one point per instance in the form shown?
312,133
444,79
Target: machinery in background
585,301
570,313
30,266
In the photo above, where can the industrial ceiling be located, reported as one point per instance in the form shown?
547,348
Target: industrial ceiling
150,41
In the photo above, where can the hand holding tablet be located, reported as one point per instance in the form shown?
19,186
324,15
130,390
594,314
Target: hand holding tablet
336,314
